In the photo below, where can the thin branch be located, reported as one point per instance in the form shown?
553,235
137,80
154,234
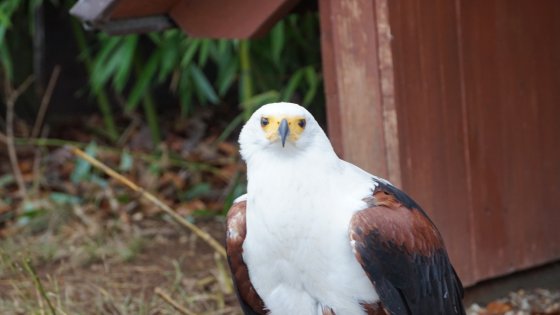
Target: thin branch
11,98
45,102
125,181
37,162
178,307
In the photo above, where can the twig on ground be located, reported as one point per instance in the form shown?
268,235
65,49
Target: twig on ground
11,98
195,229
37,130
178,307
45,102
38,284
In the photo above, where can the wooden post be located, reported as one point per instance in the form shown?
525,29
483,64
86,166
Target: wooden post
358,70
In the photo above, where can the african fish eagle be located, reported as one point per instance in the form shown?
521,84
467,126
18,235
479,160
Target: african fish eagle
316,235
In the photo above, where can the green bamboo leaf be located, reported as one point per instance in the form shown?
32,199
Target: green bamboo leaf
185,93
313,81
245,79
33,5
151,116
104,64
125,55
217,56
5,23
155,38
224,47
167,66
259,99
278,38
203,52
226,77
192,48
6,62
292,85
169,60
203,85
143,82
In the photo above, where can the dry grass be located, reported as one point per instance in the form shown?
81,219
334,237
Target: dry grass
114,270
78,241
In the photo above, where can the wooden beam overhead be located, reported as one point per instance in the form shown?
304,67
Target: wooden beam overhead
209,18
229,19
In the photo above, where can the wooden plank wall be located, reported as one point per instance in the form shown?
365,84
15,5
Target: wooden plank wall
353,85
511,53
478,101
430,119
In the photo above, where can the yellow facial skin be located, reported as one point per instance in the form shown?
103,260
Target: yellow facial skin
270,125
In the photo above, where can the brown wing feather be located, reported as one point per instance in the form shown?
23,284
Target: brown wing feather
403,255
236,230
397,223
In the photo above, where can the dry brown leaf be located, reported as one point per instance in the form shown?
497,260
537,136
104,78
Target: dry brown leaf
172,178
498,308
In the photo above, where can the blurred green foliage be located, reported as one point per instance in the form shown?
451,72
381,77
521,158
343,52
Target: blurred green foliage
282,66
8,10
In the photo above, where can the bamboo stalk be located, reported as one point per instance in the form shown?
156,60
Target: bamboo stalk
246,79
125,181
151,117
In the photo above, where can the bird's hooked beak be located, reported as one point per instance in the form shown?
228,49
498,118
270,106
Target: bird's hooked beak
284,131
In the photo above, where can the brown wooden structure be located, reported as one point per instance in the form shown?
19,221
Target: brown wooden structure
208,18
456,101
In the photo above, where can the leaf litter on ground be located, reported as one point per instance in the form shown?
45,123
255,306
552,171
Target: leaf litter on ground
100,249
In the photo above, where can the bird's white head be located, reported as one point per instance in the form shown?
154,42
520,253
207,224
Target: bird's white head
283,129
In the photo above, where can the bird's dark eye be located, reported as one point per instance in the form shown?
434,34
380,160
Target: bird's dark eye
264,121
301,123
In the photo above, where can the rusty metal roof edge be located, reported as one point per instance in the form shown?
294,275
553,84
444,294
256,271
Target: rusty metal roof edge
92,12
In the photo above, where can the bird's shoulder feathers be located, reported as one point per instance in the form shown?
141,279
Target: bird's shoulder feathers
250,301
404,256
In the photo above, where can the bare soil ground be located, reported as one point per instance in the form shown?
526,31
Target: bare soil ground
115,272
